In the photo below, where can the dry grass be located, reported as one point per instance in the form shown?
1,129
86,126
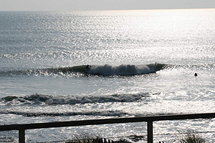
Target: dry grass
192,138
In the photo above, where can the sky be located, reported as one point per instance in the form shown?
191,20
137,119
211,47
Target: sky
65,5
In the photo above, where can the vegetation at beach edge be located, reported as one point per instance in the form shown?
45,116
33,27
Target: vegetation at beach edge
192,138
98,139
188,138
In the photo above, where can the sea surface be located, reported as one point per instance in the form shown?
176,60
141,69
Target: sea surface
63,66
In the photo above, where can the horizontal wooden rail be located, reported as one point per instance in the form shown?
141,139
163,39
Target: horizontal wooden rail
105,121
148,119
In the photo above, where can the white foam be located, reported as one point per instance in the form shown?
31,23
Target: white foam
124,70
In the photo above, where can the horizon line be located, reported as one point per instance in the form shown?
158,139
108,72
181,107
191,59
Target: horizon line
146,9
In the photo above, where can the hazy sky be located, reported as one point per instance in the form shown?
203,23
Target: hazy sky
59,5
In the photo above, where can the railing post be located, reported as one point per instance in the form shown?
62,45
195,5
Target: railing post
150,131
21,136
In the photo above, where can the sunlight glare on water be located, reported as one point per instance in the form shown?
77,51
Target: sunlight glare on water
57,66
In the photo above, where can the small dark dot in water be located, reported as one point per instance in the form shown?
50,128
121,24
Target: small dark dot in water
195,75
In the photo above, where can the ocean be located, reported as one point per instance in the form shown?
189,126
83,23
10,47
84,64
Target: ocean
64,66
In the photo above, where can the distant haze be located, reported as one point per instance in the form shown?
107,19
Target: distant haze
65,5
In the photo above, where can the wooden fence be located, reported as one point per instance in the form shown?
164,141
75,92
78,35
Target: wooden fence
149,119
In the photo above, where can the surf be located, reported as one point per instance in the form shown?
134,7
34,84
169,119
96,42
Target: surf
124,70
96,70
40,99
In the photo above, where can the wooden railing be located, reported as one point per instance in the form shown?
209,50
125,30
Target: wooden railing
149,119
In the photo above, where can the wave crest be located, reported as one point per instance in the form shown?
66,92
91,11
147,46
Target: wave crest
125,70
72,100
100,70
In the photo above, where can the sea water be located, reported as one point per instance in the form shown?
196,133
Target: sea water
63,66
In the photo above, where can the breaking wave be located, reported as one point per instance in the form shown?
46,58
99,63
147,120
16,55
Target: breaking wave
124,70
38,99
100,70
